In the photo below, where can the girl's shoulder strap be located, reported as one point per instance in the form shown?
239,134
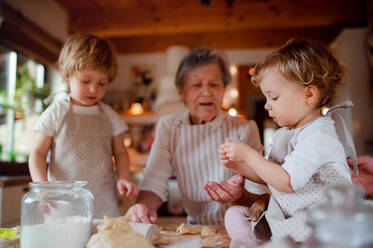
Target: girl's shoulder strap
342,105
47,100
342,131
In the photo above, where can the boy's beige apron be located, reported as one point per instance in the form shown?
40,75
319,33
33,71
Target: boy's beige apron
82,150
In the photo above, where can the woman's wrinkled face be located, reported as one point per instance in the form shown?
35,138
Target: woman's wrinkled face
203,93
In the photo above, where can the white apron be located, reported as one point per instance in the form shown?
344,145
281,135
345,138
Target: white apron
195,168
82,150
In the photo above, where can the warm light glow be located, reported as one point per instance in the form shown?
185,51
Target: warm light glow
233,69
225,105
17,115
136,109
233,93
325,110
251,71
127,142
232,112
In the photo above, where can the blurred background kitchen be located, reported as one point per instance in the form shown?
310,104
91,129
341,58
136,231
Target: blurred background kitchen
151,37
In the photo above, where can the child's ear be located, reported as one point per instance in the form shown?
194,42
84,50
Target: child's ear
311,94
66,78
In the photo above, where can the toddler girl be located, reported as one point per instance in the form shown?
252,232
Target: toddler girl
306,156
81,132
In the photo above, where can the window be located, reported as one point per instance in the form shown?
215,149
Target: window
20,79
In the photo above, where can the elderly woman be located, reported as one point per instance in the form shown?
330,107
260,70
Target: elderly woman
187,145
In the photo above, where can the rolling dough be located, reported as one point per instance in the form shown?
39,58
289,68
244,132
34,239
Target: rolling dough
189,228
208,231
196,229
115,232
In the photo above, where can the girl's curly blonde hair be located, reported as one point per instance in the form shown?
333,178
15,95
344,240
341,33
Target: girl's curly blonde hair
306,63
86,51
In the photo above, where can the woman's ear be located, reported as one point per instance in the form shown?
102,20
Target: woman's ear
181,94
311,94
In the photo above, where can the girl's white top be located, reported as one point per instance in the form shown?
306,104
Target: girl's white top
314,158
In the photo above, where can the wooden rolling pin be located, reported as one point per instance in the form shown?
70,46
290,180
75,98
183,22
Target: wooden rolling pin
149,231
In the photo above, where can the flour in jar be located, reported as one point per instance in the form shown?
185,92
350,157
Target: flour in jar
72,232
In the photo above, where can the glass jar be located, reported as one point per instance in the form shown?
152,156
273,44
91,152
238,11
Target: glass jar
56,214
344,221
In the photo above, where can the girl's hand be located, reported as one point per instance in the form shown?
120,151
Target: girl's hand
45,206
236,151
224,160
258,207
124,186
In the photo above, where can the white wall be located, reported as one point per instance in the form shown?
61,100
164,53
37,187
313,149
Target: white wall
350,48
125,62
246,56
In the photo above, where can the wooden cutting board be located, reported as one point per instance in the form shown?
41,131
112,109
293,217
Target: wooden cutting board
169,236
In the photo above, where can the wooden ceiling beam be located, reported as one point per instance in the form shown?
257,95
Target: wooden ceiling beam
193,18
223,40
20,33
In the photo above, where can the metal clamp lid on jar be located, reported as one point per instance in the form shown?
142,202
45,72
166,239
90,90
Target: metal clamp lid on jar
343,218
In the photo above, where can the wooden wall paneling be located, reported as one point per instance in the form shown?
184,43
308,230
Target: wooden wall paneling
223,40
193,17
245,88
19,33
242,71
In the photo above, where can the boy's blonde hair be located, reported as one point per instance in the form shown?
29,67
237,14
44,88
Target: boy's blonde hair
307,63
86,51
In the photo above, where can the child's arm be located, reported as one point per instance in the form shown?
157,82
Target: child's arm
38,156
271,173
122,164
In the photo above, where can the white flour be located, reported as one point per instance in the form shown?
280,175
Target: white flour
70,232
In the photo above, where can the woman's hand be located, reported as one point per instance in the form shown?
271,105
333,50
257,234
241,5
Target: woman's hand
225,191
124,186
141,214
365,177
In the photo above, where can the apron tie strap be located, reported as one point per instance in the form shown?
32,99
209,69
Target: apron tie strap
343,133
47,100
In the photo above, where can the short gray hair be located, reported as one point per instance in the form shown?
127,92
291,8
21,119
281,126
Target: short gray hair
198,57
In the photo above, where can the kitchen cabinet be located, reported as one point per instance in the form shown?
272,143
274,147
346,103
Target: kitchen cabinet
11,192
